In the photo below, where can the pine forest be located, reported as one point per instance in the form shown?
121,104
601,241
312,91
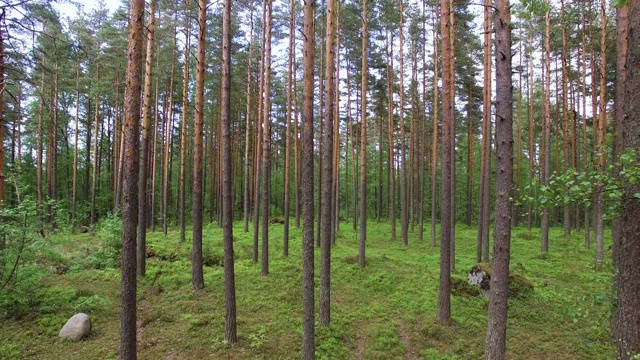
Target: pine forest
331,179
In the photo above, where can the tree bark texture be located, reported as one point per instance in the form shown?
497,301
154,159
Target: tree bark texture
308,282
497,318
130,182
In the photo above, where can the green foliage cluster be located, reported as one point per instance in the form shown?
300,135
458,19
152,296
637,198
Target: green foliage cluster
582,187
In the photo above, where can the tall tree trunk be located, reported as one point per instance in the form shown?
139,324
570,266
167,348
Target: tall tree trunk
324,314
391,173
363,140
530,85
404,201
471,154
247,142
183,126
94,177
74,186
230,333
353,154
52,152
434,139
546,151
166,174
258,137
130,189
444,292
154,156
585,141
39,149
197,274
287,151
452,84
602,133
296,146
497,330
485,173
144,145
2,88
566,130
266,140
628,241
308,282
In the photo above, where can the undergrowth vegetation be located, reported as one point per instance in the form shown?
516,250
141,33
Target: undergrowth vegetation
384,311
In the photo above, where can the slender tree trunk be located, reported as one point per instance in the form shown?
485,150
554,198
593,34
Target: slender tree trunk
363,140
168,141
74,186
444,292
287,151
52,152
154,156
183,125
353,154
2,88
530,85
497,330
247,130
566,131
197,274
296,146
94,177
547,129
266,142
39,149
130,189
144,146
434,138
391,173
324,314
471,155
585,141
258,142
404,201
308,282
485,176
602,133
452,84
230,333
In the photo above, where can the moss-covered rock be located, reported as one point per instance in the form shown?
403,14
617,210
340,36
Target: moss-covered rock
480,275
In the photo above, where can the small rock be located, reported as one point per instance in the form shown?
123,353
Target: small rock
76,328
59,269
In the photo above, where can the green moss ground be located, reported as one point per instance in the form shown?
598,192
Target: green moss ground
384,311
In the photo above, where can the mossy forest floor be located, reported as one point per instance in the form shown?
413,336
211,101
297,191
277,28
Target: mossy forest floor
384,311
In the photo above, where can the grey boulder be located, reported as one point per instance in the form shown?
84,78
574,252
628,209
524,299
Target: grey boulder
76,328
